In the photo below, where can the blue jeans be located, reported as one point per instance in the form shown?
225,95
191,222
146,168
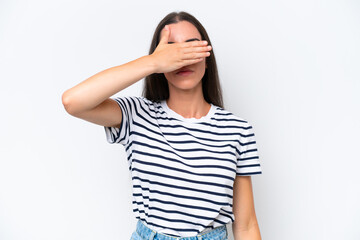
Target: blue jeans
143,232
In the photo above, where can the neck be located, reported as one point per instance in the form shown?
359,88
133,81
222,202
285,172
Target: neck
188,103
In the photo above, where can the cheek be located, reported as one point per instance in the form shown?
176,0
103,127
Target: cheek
202,64
167,76
201,68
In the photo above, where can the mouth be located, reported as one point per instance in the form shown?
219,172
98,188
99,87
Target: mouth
184,72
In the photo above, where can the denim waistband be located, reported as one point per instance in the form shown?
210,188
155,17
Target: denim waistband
148,233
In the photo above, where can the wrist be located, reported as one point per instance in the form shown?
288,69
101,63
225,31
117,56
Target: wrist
150,63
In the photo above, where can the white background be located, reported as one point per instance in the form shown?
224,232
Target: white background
291,68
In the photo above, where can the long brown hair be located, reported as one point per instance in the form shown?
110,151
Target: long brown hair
156,86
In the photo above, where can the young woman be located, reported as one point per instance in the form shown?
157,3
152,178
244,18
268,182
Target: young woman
190,160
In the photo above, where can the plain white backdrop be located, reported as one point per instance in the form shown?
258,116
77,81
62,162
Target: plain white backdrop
289,67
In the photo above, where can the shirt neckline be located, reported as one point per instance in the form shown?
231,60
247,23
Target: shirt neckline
174,114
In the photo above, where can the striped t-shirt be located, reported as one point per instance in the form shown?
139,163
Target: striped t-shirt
183,169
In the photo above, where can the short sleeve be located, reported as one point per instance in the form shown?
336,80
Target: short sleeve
247,158
122,135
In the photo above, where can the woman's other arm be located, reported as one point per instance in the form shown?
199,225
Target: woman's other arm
245,226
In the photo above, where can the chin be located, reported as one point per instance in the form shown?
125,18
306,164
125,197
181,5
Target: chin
185,84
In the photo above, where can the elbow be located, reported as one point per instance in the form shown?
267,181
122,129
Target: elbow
245,224
245,227
249,231
67,103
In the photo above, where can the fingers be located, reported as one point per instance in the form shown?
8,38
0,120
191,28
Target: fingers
193,44
197,49
192,61
165,37
196,52
196,55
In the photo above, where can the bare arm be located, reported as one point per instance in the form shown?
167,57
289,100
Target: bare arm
96,89
90,99
245,226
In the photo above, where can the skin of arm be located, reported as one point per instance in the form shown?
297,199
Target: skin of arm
106,83
245,226
90,98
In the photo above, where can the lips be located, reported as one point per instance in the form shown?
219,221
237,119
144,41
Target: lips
184,70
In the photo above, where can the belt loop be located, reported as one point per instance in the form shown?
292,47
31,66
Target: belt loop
152,235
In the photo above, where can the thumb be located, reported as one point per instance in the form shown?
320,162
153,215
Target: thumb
165,37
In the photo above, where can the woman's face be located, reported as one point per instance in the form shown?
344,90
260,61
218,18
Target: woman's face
182,32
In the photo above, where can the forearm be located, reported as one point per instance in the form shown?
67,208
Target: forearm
94,90
250,233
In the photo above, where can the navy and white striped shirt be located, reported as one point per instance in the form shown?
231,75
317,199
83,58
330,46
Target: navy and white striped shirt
183,169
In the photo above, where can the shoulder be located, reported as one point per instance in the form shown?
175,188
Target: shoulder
235,122
147,103
143,106
229,117
137,100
